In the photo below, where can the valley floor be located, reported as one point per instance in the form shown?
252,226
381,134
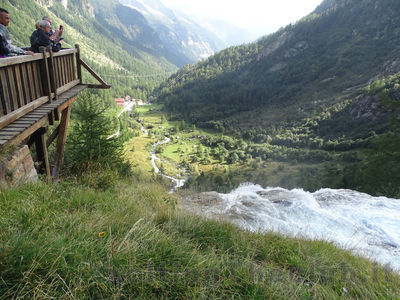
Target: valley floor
210,167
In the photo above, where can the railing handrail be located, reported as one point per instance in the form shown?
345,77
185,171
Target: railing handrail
33,80
15,60
29,81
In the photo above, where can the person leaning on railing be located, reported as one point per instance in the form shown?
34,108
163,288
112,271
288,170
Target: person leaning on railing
55,36
40,37
6,46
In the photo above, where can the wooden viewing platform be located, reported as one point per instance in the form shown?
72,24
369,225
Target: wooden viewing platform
34,91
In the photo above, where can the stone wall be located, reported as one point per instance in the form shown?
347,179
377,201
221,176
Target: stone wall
17,168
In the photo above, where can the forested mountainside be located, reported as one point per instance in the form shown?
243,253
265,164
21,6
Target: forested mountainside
117,40
300,70
323,91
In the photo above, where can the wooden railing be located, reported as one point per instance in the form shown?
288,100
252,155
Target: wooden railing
34,91
27,82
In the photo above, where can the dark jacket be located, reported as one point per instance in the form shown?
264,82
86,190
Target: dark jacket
3,47
39,39
7,46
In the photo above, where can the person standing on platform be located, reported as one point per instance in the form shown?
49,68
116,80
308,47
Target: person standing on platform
6,46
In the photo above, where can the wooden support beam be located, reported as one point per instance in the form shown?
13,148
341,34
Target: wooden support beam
93,73
56,114
67,103
31,141
61,141
98,86
41,151
78,63
52,136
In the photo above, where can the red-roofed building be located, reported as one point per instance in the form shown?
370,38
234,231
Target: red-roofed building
119,101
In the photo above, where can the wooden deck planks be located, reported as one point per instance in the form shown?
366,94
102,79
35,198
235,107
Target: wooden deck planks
24,126
22,92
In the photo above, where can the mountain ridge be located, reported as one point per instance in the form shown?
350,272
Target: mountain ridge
321,95
313,59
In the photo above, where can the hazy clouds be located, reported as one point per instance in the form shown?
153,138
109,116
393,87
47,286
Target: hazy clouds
257,16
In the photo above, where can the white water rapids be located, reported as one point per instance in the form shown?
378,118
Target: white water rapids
367,226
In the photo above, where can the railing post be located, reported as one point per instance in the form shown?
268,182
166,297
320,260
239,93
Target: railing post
78,63
54,85
53,75
45,74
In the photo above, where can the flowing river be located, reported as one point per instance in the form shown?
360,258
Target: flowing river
367,226
177,183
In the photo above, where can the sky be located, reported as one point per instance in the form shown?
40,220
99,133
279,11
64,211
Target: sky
256,16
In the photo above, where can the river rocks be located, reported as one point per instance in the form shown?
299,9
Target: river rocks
276,196
211,204
196,201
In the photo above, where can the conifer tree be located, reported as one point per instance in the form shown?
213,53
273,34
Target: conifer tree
89,141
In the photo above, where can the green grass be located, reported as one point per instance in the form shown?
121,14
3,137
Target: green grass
168,169
137,152
149,249
105,237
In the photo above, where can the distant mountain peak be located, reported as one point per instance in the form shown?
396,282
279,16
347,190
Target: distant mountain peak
179,34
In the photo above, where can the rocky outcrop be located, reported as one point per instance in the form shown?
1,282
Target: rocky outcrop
17,168
368,107
275,45
199,202
297,49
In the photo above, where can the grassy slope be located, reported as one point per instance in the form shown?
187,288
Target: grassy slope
72,241
50,247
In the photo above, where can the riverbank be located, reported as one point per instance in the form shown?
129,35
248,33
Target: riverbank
365,225
73,241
